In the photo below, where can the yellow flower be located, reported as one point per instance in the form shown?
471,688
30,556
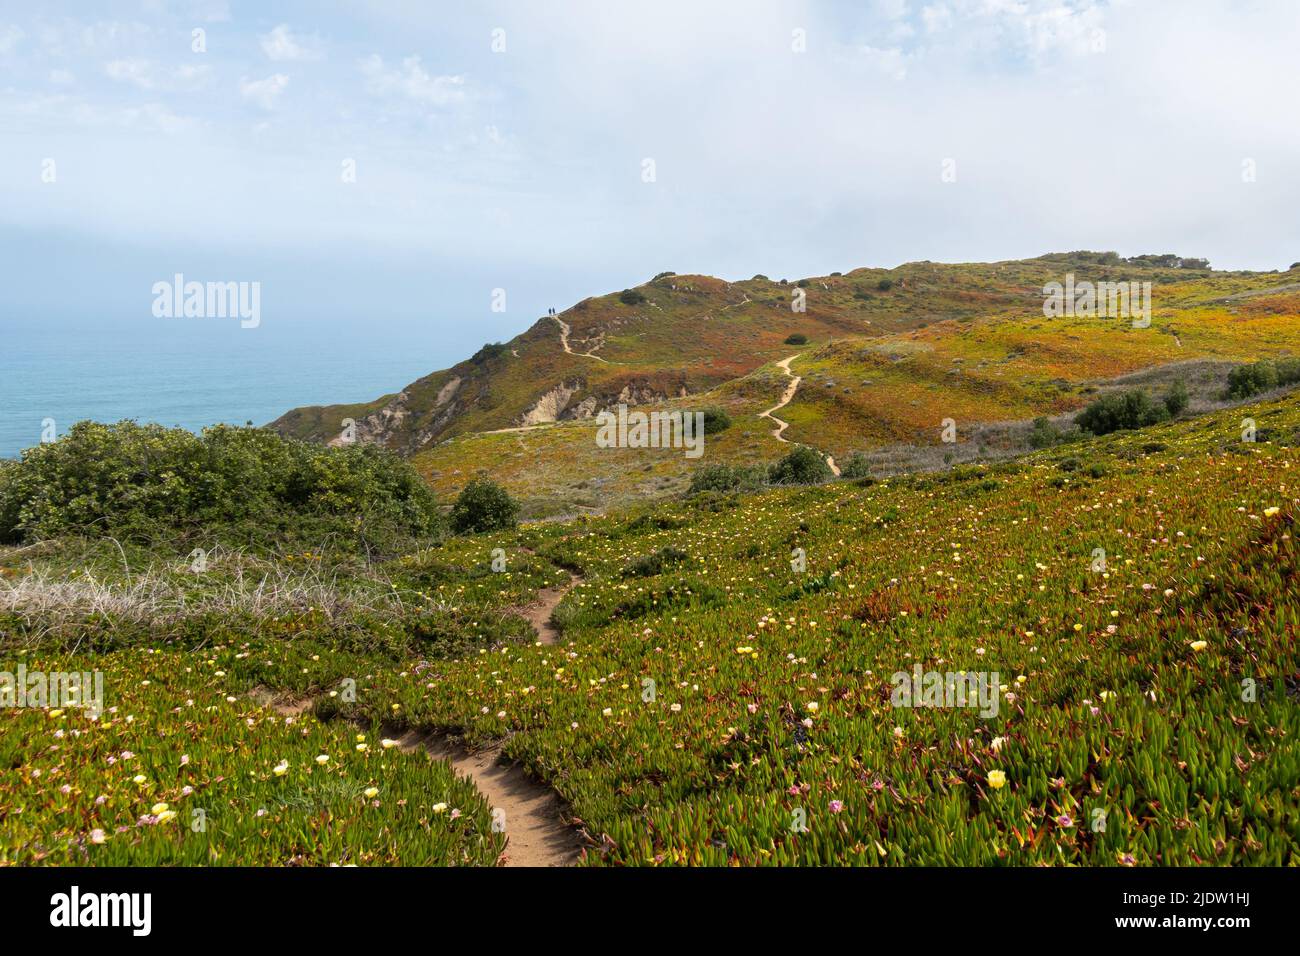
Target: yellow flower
361,738
281,768
371,792
139,779
322,759
1269,512
1199,645
388,743
158,808
997,779
166,816
440,808
363,747
57,712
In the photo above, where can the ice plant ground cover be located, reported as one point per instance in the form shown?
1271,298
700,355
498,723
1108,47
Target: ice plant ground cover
707,704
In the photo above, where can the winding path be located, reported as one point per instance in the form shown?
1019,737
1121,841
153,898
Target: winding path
537,833
564,340
786,397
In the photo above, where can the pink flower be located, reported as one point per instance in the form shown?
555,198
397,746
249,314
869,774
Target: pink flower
794,790
836,806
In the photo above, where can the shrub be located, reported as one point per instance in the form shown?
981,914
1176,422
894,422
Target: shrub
1247,380
483,505
488,352
1121,411
884,285
146,481
1044,434
716,420
715,478
803,466
651,564
631,297
663,275
857,466
797,338
1177,398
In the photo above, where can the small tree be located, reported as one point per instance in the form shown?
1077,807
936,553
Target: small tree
1177,398
483,505
716,420
796,338
858,466
803,466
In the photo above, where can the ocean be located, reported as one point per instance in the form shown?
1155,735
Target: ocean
193,373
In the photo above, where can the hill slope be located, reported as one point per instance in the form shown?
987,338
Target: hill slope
891,354
708,703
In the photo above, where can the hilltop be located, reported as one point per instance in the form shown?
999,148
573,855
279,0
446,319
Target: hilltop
884,356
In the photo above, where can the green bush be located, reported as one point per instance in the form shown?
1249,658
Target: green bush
858,466
1044,434
1177,398
651,564
631,297
803,466
1247,380
716,420
483,505
248,484
1121,411
714,478
488,352
884,285
798,338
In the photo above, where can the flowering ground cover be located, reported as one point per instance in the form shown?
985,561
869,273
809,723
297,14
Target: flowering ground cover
723,690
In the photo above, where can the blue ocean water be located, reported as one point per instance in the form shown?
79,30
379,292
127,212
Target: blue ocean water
193,373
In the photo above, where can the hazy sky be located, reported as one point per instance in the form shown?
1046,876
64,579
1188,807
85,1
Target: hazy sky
787,137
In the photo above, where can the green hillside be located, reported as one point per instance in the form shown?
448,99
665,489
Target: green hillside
722,687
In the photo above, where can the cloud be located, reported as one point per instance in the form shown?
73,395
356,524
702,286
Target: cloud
280,44
147,75
9,37
265,93
411,81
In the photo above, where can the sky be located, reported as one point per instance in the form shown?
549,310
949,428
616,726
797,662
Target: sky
396,162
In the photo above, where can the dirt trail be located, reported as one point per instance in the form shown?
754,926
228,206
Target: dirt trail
538,614
786,397
564,340
531,813
783,365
